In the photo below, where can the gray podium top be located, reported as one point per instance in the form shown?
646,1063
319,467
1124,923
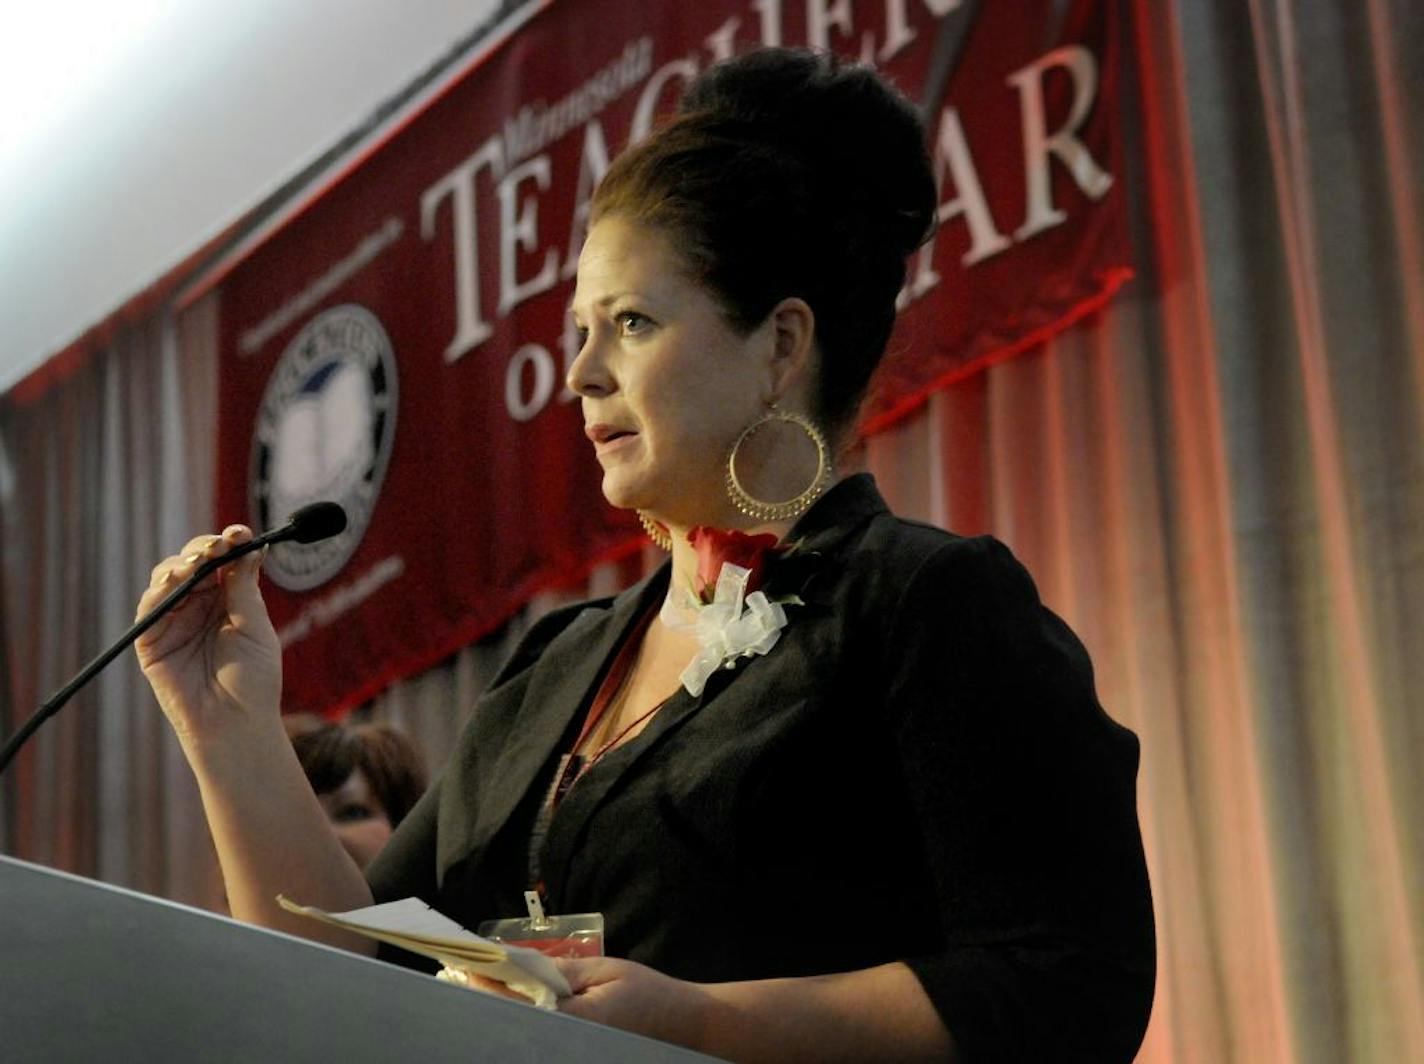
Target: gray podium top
93,972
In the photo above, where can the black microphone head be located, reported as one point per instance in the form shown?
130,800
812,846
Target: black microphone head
316,521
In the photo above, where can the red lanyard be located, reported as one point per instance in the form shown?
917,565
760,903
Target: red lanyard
571,765
611,685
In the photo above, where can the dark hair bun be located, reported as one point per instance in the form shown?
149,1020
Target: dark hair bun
862,139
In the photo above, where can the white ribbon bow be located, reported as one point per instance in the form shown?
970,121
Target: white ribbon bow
733,625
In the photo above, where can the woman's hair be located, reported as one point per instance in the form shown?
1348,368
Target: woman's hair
788,173
330,752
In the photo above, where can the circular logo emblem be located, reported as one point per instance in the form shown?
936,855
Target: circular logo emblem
324,431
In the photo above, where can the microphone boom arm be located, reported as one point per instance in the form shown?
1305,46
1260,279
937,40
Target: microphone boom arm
311,523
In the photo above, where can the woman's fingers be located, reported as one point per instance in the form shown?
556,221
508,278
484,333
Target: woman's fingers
214,544
244,598
581,972
214,656
166,575
199,546
176,568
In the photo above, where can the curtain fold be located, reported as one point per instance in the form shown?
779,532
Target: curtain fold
1218,481
110,472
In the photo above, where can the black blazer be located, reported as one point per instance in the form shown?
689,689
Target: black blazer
919,770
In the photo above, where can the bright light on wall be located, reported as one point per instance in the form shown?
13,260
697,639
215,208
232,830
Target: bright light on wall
56,53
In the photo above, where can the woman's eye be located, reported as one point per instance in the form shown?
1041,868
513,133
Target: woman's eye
630,322
352,813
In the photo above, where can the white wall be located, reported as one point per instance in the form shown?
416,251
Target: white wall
135,130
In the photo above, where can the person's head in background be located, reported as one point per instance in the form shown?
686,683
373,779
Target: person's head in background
366,776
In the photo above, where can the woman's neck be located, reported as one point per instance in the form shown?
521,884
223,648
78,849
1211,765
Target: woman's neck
684,555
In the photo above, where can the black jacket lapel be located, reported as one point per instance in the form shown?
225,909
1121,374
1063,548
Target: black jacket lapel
558,693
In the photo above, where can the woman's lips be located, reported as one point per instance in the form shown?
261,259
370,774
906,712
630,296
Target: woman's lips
608,437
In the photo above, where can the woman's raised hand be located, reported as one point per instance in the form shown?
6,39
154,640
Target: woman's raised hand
214,661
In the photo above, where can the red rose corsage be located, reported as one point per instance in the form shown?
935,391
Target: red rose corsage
716,546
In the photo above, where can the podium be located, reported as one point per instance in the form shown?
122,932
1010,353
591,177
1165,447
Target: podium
94,972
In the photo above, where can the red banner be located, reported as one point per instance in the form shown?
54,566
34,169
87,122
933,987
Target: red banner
400,343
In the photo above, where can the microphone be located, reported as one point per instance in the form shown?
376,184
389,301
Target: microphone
313,522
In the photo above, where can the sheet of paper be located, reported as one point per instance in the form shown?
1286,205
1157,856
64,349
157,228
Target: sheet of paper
412,918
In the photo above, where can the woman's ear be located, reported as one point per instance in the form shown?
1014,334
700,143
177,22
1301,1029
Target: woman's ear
793,359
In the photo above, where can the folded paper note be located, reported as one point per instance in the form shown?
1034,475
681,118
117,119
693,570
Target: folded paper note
415,926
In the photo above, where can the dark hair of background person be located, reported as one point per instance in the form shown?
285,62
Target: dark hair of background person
789,173
330,752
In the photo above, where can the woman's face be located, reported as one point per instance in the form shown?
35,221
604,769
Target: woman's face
358,818
667,384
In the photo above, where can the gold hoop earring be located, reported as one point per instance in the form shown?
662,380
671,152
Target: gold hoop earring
797,505
657,532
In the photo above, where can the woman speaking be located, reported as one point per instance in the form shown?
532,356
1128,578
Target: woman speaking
838,782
